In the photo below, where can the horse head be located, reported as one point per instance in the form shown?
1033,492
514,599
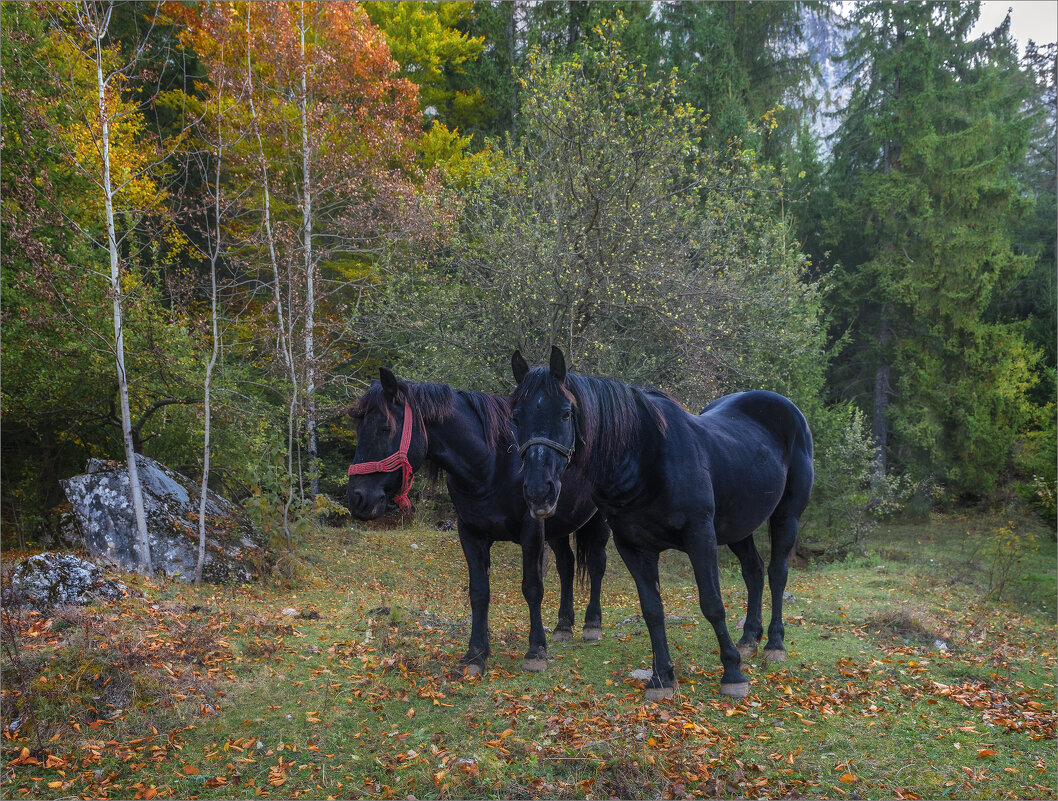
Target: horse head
390,446
545,416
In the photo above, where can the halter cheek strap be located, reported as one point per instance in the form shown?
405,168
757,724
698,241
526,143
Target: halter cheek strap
550,443
396,461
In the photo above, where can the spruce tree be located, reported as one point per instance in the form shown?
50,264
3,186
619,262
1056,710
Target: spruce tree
924,199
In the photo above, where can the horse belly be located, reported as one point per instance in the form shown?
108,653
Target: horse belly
651,532
746,491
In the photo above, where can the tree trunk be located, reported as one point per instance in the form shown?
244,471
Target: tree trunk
882,387
115,288
310,279
213,257
285,336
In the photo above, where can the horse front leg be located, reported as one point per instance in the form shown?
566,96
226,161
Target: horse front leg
591,547
533,590
753,575
702,550
565,565
476,549
643,565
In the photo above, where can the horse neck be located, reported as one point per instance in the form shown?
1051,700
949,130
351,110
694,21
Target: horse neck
459,444
626,468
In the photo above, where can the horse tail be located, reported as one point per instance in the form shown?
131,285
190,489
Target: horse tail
584,541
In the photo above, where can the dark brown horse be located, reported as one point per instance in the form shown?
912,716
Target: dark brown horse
471,437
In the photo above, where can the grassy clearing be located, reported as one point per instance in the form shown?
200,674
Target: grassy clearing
904,680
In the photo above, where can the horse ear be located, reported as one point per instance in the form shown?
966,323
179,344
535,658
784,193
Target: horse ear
389,384
558,364
519,365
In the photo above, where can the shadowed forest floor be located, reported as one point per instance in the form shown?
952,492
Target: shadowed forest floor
904,680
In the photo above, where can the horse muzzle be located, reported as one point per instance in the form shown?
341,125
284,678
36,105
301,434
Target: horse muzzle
367,505
542,499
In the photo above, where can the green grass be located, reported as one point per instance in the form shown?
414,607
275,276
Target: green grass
363,702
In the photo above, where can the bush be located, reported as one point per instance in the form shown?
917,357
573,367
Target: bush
848,500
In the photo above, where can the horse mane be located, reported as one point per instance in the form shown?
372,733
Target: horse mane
436,404
610,413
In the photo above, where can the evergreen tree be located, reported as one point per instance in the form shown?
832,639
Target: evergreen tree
924,199
739,62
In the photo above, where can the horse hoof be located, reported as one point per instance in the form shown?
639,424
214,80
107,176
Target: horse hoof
472,670
562,635
747,652
659,693
775,654
534,665
591,635
739,690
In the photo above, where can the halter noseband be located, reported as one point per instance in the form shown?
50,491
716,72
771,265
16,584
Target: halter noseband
395,461
550,443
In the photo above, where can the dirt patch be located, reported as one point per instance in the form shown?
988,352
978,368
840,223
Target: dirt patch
910,624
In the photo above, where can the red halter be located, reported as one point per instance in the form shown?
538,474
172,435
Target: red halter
396,461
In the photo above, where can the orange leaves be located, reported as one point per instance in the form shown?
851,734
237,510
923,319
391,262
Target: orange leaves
24,758
277,774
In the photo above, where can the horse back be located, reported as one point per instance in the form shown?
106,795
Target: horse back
745,413
758,449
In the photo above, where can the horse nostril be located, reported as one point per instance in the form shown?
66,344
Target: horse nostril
358,499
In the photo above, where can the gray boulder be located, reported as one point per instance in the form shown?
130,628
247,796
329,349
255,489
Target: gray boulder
102,503
59,579
60,529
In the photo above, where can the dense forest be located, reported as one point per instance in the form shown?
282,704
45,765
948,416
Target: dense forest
219,220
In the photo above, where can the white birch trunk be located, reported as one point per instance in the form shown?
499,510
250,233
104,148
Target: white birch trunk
115,289
285,336
310,278
213,257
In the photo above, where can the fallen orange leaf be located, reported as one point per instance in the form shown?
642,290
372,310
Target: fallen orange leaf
848,778
190,770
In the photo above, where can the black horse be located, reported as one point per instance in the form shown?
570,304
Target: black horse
470,435
666,478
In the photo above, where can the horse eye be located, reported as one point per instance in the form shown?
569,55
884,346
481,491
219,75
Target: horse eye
385,429
565,416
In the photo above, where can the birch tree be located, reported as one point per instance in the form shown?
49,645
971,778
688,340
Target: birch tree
327,178
107,144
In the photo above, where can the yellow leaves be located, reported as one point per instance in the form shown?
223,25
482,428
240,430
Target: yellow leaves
79,126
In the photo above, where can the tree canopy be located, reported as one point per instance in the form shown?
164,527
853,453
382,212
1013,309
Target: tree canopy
431,185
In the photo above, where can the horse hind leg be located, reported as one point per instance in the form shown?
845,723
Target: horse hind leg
564,563
783,539
753,575
591,549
